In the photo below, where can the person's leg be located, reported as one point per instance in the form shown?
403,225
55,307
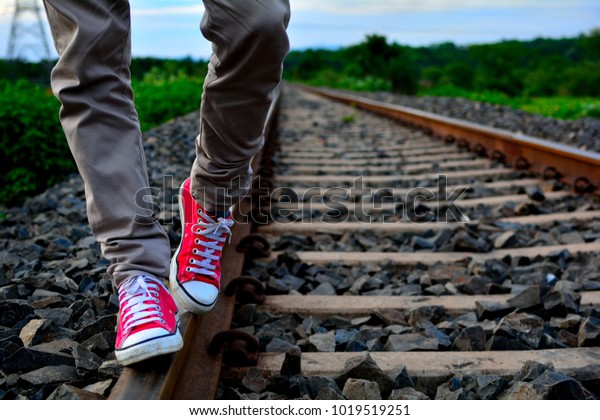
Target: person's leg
249,43
92,82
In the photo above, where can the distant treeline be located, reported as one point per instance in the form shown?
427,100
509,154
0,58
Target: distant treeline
541,67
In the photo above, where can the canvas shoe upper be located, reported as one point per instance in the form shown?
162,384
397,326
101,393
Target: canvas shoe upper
147,325
196,266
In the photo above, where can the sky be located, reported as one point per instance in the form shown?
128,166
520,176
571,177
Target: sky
169,28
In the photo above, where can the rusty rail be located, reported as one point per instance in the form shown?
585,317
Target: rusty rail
575,167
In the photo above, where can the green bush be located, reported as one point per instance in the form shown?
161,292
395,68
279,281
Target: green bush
33,148
160,97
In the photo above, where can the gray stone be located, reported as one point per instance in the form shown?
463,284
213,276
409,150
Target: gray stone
286,283
410,342
277,345
99,387
535,193
470,339
85,360
463,241
530,371
561,303
323,342
60,316
63,345
101,343
360,389
323,289
376,344
589,333
364,367
111,368
345,336
105,323
520,391
401,378
10,292
492,310
528,298
334,281
367,333
427,329
506,239
489,387
295,386
437,290
13,311
407,394
499,342
28,359
573,237
329,394
477,285
429,313
453,390
525,327
50,374
292,362
316,383
391,316
30,333
254,380
70,392
554,385
358,285
571,322
64,283
265,396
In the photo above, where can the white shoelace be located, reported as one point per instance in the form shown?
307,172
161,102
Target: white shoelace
134,297
214,231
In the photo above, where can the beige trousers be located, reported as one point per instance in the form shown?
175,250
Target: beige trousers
92,81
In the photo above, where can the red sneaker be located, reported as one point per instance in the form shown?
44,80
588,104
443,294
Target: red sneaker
196,266
147,325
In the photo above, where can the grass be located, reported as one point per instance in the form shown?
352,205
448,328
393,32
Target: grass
563,107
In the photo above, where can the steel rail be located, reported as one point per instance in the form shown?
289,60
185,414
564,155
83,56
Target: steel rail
575,167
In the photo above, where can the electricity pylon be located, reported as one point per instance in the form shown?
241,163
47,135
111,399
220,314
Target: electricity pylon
27,31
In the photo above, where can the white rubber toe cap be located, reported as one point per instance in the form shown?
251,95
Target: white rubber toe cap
144,335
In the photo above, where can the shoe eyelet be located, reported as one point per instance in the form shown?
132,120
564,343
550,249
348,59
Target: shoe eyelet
162,321
161,314
187,269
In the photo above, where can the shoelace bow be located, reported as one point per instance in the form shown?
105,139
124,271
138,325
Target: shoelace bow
134,297
217,232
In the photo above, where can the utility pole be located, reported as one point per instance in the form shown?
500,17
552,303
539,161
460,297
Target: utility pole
27,31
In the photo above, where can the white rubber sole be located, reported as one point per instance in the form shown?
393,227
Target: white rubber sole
152,348
182,299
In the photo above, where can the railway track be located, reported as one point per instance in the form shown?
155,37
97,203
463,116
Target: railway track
439,246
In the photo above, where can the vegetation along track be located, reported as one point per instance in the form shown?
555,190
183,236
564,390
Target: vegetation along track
404,263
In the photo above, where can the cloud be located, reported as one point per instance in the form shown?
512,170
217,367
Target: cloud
359,7
172,10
